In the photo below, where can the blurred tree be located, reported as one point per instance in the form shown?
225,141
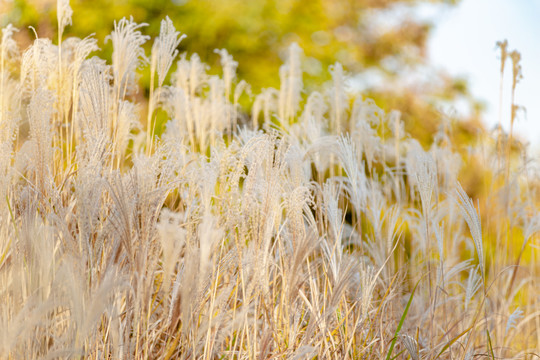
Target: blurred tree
381,43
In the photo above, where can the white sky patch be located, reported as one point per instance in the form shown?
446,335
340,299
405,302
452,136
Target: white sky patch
463,43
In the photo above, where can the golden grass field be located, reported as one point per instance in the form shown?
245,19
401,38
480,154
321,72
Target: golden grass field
308,226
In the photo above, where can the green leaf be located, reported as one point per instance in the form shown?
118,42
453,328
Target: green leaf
490,345
449,343
389,354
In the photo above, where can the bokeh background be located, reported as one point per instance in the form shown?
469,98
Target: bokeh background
431,59
463,43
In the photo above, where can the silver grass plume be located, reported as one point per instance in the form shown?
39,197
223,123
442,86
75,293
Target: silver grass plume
317,144
39,61
473,284
368,280
182,126
172,236
512,320
217,106
209,234
92,154
164,49
356,180
128,54
299,171
40,113
95,98
366,117
76,51
296,204
330,194
190,75
229,70
127,121
438,231
411,345
9,49
315,108
267,102
9,96
448,165
473,221
290,75
240,88
338,98
255,111
426,178
63,14
81,50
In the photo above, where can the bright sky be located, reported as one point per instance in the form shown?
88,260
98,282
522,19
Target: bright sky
463,42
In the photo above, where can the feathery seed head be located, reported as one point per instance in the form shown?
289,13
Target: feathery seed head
512,320
9,48
63,13
290,75
471,217
164,49
128,54
411,345
503,45
426,178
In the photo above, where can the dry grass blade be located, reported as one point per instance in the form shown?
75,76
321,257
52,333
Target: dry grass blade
473,221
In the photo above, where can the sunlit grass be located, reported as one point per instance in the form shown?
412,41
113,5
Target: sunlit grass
301,225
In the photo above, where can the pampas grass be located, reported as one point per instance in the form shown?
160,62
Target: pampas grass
296,232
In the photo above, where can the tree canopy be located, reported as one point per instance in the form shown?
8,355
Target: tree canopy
380,43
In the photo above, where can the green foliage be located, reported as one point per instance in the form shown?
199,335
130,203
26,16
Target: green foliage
257,34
